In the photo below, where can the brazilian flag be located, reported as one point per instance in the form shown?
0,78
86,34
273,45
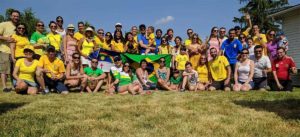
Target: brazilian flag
153,62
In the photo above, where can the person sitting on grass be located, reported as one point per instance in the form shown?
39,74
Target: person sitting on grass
220,71
142,75
204,74
114,71
24,72
175,80
124,81
74,72
163,74
51,71
243,72
94,77
190,78
282,66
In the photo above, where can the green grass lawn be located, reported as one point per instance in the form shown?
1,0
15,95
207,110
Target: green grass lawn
160,114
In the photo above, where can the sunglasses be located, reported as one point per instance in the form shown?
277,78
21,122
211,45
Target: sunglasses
95,62
100,32
75,57
53,26
40,25
190,32
222,31
162,61
215,30
21,28
258,51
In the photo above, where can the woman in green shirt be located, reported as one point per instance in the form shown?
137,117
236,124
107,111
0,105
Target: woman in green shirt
124,82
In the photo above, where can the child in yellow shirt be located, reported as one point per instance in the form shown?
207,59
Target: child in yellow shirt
151,38
181,59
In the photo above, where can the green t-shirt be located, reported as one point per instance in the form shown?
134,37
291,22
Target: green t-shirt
124,78
36,36
176,81
93,73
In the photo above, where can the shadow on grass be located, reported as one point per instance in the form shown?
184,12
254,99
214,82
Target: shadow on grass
4,107
287,109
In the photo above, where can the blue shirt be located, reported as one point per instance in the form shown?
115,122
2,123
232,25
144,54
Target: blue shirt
158,42
231,49
143,38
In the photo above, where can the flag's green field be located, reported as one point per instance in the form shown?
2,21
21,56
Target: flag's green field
159,114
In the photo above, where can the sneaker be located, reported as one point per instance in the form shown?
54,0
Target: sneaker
46,91
182,90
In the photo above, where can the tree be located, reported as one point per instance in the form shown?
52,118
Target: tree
27,17
259,10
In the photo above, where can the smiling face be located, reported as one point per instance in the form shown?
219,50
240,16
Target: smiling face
144,65
244,54
222,32
190,33
255,29
15,17
215,31
134,30
213,53
21,29
203,59
81,27
162,62
280,53
177,41
53,27
40,27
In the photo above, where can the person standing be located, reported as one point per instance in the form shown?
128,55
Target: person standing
231,48
55,39
60,29
39,40
7,29
80,34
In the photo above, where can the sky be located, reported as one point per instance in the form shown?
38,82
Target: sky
200,15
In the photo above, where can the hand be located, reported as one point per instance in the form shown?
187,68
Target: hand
279,86
10,40
14,60
226,82
247,16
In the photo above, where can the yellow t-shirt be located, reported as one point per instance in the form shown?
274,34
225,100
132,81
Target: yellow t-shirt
56,67
203,73
187,42
119,47
7,29
87,47
55,40
152,39
78,36
164,49
99,42
21,42
256,41
26,72
181,60
135,39
218,69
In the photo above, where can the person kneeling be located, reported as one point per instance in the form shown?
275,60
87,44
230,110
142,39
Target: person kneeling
125,83
24,72
94,77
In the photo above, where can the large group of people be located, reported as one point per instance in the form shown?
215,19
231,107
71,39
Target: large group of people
58,60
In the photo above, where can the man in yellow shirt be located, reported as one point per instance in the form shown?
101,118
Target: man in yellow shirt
188,41
80,34
7,29
220,71
51,71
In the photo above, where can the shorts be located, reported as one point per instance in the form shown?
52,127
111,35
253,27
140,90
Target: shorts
5,63
287,85
260,83
55,84
85,61
152,86
29,83
219,85
251,83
